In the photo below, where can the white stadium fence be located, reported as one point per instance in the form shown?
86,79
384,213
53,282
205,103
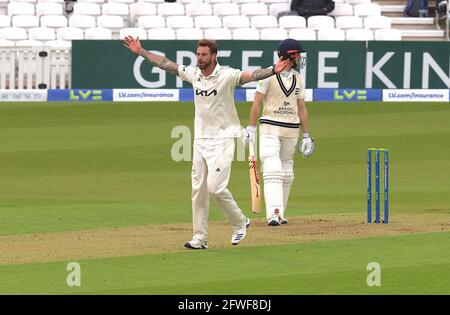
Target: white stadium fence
35,68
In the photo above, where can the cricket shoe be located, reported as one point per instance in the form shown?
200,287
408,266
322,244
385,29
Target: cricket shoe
196,244
284,221
239,235
274,220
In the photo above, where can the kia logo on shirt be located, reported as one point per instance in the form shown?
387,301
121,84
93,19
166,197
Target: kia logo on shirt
206,93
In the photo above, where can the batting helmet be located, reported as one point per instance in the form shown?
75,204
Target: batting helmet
291,49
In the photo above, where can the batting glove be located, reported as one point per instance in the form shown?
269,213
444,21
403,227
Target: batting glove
248,134
306,147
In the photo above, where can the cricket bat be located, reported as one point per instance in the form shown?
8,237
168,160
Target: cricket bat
254,179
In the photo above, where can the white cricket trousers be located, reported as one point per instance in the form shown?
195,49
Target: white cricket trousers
211,168
277,160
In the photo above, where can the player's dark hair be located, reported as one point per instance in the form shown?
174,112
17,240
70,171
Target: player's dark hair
208,43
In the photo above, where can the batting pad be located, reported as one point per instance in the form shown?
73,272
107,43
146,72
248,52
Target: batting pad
273,186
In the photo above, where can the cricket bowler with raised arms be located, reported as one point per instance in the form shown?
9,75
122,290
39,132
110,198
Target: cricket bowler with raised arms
284,113
216,125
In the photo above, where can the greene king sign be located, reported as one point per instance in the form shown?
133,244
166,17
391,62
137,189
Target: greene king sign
330,64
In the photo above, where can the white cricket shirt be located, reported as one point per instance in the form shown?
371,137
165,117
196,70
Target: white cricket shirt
215,111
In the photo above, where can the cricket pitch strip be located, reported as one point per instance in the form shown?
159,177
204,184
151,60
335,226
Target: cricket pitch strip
167,238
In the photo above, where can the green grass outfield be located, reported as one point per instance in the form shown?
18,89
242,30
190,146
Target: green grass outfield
82,166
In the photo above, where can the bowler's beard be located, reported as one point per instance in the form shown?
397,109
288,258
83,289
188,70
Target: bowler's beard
205,65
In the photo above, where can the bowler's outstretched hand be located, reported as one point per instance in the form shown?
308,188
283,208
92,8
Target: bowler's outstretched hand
132,44
281,65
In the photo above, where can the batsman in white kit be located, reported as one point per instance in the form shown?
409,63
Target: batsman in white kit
284,113
216,125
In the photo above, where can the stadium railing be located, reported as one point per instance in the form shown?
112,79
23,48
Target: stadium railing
35,68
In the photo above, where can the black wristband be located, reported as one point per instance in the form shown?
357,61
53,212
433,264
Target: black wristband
273,69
